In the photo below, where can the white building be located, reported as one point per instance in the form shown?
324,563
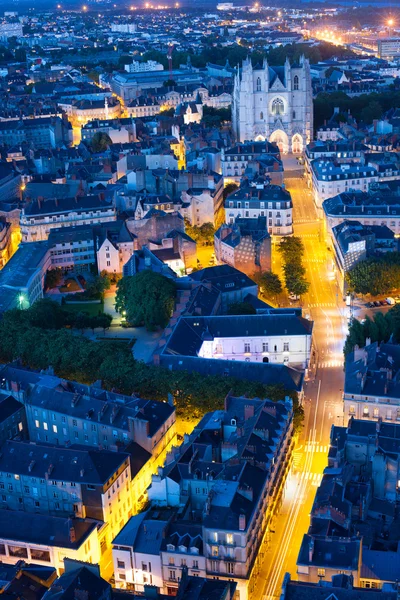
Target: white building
274,104
273,337
138,67
328,178
123,27
261,199
38,217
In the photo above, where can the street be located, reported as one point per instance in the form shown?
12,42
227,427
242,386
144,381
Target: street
322,395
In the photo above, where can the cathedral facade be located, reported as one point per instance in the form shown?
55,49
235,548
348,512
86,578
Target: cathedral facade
274,104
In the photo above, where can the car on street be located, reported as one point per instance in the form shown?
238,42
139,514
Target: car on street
377,303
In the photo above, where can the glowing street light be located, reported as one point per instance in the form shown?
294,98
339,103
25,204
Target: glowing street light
390,22
84,8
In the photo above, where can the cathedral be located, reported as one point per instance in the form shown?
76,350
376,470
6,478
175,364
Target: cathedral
274,104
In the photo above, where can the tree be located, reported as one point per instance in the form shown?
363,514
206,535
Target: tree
207,232
291,248
270,283
47,314
147,298
100,141
229,189
53,278
169,83
241,308
98,285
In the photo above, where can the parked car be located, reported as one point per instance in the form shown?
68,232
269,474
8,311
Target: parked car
383,303
370,305
390,300
377,303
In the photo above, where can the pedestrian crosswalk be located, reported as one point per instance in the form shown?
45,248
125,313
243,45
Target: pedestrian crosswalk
318,261
304,220
310,235
313,478
330,364
297,459
311,446
322,305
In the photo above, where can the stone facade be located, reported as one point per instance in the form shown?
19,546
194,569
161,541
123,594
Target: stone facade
274,104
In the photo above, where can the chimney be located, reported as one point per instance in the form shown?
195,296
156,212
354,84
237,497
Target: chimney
311,550
248,412
242,522
72,535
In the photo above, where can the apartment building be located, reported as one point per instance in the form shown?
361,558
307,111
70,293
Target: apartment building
72,248
47,132
121,131
378,206
47,540
329,178
58,481
371,383
260,198
236,160
224,483
245,245
40,216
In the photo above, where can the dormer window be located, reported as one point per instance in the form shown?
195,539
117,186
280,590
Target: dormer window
233,422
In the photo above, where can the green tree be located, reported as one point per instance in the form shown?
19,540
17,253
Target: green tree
270,283
229,189
100,141
207,232
46,314
147,298
241,308
291,248
53,278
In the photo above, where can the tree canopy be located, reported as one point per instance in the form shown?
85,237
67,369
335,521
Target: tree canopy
292,251
100,141
376,275
146,298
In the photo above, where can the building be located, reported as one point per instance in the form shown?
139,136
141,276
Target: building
6,245
129,85
59,481
138,67
279,336
260,199
79,580
10,184
370,385
47,540
47,132
81,111
88,415
378,206
320,557
340,587
245,245
12,419
24,580
389,48
233,285
115,245
22,278
121,131
353,243
124,28
224,495
251,157
274,104
40,216
329,178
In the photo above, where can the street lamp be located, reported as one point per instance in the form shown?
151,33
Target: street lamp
21,301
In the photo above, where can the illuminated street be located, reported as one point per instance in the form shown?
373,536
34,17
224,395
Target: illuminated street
322,394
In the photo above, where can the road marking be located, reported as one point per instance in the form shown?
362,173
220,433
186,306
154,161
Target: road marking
330,364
